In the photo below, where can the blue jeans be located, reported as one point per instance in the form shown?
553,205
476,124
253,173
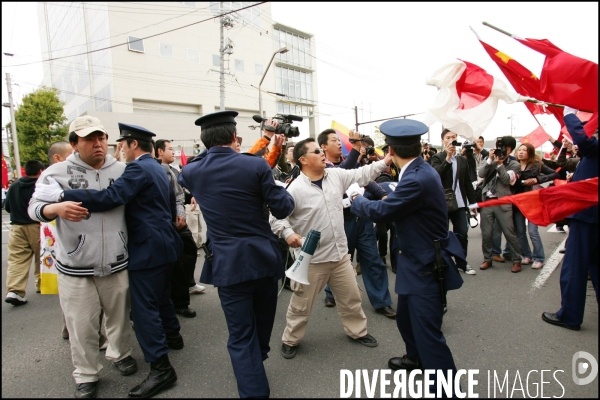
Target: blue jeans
361,236
534,235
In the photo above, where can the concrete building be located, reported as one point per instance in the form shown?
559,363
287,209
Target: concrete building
113,61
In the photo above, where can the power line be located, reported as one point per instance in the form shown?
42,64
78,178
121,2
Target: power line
144,38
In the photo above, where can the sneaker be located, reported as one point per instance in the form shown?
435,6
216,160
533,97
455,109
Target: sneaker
197,289
470,271
367,340
537,265
288,351
14,299
526,261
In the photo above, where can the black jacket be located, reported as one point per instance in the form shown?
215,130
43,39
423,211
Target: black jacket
444,168
17,201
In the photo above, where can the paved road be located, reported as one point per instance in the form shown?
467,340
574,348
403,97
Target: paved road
493,324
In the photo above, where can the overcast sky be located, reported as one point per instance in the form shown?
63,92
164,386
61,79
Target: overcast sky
377,56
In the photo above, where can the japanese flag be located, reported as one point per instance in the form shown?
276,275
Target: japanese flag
467,99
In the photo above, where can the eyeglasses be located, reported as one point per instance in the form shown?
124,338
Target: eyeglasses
315,151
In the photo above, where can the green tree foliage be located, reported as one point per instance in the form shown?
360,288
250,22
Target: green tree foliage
40,122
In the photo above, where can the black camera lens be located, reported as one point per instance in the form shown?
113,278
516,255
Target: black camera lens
370,150
455,143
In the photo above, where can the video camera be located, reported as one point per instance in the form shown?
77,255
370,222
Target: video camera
469,148
500,151
285,124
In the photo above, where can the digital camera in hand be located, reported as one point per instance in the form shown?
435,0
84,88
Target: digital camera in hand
501,149
285,124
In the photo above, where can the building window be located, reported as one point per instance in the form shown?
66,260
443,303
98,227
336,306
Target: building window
166,50
299,48
216,60
135,44
239,65
258,69
193,55
297,85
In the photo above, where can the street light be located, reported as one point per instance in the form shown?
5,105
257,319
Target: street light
280,51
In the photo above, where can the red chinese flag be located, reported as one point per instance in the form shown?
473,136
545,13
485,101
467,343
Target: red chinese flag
536,138
4,173
523,81
183,158
544,206
566,79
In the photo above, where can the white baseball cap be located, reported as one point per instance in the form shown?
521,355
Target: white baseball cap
83,126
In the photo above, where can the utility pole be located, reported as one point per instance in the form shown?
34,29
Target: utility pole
222,62
355,119
13,126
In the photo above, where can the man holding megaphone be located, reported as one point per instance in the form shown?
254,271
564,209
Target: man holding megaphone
318,193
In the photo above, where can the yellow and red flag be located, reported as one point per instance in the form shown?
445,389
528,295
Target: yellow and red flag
523,81
343,133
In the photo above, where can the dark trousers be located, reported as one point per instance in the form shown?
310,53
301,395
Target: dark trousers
183,271
460,227
581,257
419,320
249,309
152,309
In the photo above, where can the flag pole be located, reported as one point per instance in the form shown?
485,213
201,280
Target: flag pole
498,29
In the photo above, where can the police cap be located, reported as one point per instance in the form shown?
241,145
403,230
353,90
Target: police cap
403,131
134,132
219,117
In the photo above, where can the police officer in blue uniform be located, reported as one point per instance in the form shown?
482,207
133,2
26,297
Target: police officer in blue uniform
153,247
232,191
581,256
418,209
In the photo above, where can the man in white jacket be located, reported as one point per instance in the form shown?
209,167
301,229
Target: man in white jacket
91,258
318,196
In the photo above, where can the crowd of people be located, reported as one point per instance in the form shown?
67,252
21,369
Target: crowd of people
128,237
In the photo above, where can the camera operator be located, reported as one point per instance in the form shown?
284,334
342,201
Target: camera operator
427,152
367,151
454,172
500,173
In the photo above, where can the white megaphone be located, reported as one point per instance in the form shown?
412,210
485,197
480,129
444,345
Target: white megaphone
299,270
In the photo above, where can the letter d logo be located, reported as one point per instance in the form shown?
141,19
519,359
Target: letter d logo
581,368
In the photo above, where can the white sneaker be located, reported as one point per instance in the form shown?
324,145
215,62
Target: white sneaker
537,265
197,289
14,299
526,261
470,271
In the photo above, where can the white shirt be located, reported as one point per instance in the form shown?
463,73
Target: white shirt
404,168
322,210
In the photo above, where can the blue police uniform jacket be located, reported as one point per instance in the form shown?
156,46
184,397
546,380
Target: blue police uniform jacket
588,165
149,212
418,209
232,190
